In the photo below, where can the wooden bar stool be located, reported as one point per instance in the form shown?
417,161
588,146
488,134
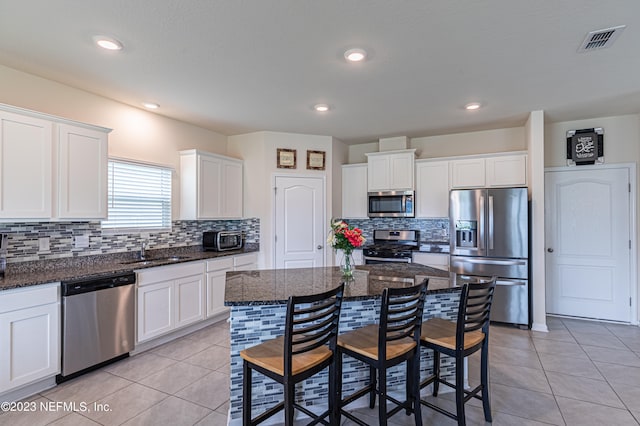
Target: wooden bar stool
307,347
460,339
394,340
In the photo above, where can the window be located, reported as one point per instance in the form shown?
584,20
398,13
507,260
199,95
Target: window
139,197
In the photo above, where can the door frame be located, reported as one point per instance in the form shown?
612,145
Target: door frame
274,178
633,218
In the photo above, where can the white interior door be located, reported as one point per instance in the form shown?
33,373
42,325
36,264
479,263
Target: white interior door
588,240
300,222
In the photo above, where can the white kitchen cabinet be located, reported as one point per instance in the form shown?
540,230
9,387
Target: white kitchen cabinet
82,172
216,281
33,163
435,260
506,170
432,188
390,170
468,173
354,191
29,335
245,262
211,186
169,297
26,150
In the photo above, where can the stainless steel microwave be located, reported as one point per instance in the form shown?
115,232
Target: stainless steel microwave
391,204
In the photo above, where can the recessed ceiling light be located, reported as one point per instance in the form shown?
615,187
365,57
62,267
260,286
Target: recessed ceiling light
321,107
355,55
472,106
150,105
108,43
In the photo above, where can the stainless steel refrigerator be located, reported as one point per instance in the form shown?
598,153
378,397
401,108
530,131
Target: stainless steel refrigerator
489,231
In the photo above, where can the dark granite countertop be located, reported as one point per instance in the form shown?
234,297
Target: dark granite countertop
26,274
274,286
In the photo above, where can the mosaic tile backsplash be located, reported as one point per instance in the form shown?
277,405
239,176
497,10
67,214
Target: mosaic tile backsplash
23,241
430,229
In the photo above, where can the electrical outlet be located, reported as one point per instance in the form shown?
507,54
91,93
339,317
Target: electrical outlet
43,244
81,241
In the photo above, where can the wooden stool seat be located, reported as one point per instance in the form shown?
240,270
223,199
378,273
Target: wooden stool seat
364,341
270,356
441,332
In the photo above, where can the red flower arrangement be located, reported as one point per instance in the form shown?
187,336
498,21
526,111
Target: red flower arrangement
345,237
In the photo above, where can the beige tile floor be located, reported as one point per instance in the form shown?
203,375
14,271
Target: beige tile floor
580,373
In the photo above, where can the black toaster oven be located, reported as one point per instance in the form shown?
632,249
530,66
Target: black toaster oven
222,240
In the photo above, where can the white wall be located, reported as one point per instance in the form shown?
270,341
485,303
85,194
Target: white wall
137,134
621,145
259,151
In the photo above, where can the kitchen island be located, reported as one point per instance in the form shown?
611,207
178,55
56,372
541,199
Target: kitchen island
258,305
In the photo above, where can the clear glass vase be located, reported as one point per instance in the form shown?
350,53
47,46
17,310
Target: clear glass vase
347,265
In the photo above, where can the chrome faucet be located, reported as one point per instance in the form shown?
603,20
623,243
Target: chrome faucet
142,247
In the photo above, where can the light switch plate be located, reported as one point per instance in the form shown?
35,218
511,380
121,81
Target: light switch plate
43,244
81,241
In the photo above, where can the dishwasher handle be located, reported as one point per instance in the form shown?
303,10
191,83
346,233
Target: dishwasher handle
71,288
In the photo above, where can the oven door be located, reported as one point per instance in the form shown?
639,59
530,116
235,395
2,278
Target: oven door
368,260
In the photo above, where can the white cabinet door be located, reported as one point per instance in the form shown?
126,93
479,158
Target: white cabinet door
507,170
82,173
155,310
29,345
435,260
209,188
354,191
216,282
245,262
378,173
432,189
25,167
189,300
232,192
468,173
401,173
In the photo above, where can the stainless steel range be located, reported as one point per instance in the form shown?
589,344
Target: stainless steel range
392,246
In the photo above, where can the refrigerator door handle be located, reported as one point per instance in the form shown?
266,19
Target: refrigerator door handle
490,218
485,261
481,232
503,281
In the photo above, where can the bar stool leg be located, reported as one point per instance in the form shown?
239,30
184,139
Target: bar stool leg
374,385
338,390
289,395
484,380
436,372
460,390
382,401
246,394
332,393
415,391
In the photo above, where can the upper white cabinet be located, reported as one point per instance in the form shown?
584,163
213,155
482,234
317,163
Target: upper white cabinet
26,150
50,167
506,170
490,171
432,188
390,170
82,184
354,191
211,186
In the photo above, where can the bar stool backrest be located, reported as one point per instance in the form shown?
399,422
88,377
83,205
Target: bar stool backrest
475,309
311,322
401,315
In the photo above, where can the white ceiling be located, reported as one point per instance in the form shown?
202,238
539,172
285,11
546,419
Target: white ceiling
237,66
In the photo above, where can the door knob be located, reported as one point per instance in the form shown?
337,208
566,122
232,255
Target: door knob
550,250
319,247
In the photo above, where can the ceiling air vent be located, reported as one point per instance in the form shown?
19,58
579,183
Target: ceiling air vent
601,39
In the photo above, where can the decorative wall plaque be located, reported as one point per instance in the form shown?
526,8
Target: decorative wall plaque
315,160
286,158
585,146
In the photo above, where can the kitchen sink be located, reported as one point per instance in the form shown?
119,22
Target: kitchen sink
145,262
137,262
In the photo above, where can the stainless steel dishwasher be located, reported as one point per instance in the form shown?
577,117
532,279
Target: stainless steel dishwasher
98,323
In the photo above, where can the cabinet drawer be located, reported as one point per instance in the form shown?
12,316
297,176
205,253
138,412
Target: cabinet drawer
169,272
220,264
21,298
245,259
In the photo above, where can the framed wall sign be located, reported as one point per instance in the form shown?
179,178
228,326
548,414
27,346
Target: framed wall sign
315,160
585,146
286,158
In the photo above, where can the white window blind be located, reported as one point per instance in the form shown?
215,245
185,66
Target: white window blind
139,197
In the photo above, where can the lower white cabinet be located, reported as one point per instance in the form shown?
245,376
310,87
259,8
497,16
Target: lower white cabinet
169,297
216,280
29,335
245,262
435,260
